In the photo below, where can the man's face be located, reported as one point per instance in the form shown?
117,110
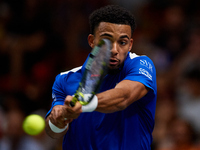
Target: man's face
120,36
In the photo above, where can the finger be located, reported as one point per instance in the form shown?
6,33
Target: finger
57,117
76,109
54,121
68,121
68,100
54,116
74,112
61,123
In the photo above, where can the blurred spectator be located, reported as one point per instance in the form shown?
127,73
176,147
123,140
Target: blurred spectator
2,122
12,136
180,137
188,95
165,112
28,38
172,30
13,132
190,54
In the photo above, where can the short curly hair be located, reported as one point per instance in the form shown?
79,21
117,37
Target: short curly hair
112,14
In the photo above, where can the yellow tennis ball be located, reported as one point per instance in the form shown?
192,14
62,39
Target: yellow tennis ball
33,124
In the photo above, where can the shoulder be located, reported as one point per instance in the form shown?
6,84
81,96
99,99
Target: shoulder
69,75
141,69
135,57
74,70
134,61
66,82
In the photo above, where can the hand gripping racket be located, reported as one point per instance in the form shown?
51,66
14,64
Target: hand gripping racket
95,70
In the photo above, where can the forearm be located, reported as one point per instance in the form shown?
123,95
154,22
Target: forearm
119,98
111,101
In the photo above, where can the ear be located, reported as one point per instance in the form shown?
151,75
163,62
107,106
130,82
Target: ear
91,40
131,44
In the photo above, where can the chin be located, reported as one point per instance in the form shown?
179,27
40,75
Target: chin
113,69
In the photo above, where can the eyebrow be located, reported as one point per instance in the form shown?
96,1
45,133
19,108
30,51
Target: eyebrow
106,34
124,36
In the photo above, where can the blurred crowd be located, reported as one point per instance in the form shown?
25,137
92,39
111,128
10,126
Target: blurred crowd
41,38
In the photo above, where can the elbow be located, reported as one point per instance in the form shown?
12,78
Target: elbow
123,104
120,107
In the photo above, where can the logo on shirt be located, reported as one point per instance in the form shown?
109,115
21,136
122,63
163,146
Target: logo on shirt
147,64
53,97
146,73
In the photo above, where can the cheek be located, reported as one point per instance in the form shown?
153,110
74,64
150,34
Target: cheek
96,41
123,55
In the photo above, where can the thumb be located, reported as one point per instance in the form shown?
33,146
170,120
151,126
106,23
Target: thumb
68,100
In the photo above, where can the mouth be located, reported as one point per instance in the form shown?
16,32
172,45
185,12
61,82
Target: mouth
113,61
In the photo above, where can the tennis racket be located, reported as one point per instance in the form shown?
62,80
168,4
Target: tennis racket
95,70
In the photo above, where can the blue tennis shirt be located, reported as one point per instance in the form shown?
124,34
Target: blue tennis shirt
129,129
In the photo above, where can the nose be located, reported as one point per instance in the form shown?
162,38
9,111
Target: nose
114,50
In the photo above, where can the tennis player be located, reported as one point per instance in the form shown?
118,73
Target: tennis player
121,115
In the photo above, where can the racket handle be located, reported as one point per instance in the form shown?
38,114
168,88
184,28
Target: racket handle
72,104
80,97
73,101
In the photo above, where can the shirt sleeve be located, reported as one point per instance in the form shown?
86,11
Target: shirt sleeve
142,69
58,95
65,84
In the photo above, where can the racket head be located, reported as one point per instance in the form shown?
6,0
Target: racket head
95,70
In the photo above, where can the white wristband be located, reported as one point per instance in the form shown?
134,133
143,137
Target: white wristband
56,129
92,104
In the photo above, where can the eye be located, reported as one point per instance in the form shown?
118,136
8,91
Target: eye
123,43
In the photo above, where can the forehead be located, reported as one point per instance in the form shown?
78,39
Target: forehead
113,29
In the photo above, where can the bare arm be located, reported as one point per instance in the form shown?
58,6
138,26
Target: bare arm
119,98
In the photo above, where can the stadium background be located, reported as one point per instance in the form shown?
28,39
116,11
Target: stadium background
39,39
